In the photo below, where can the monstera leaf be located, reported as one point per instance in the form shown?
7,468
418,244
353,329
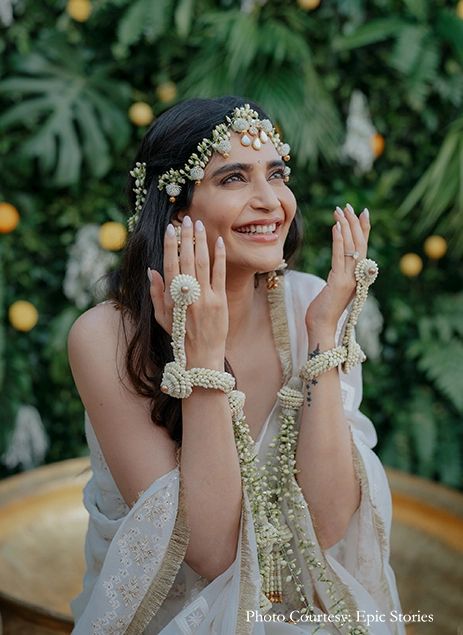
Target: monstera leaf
72,116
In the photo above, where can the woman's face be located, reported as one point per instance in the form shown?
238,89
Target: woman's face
245,187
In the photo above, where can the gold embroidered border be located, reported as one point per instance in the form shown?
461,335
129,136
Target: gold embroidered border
280,327
164,578
248,596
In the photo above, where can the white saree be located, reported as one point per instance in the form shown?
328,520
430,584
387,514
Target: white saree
138,582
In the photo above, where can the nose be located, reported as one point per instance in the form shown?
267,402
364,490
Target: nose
264,195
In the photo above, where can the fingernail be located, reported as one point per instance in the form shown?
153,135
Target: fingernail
339,210
220,243
170,230
366,211
350,208
150,275
187,221
199,226
338,226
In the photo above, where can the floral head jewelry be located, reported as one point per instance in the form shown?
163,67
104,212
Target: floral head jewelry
245,121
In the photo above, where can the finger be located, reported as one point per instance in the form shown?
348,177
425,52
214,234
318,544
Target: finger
187,254
201,255
356,230
157,292
219,269
171,266
345,229
337,258
364,220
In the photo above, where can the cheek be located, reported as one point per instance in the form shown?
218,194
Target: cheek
289,203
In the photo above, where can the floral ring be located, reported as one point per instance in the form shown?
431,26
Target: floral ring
185,289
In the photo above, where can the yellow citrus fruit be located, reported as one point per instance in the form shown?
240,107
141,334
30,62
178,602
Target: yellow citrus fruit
141,113
377,142
23,315
411,265
308,5
112,236
460,9
166,92
435,247
79,10
9,217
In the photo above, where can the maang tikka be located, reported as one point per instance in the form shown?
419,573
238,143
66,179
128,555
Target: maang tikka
245,121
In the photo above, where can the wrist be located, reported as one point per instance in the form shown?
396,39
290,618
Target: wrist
212,361
324,339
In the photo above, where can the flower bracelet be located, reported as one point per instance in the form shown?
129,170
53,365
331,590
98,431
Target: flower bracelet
177,381
349,354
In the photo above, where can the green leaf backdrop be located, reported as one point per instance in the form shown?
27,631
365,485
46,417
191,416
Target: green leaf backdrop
67,143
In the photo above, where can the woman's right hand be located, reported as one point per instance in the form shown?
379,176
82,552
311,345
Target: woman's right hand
207,318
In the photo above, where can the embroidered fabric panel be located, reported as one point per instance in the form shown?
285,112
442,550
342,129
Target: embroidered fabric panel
132,560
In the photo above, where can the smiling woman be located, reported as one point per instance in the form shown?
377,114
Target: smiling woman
222,492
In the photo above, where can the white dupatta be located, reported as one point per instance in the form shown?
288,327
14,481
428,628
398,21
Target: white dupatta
132,561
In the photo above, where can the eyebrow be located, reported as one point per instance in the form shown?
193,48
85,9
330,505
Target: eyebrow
245,167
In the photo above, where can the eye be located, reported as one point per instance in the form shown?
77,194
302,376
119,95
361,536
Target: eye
280,173
230,179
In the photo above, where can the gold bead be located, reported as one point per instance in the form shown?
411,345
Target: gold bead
198,182
172,199
185,289
164,389
286,157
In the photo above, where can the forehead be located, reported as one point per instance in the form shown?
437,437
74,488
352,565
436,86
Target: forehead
243,154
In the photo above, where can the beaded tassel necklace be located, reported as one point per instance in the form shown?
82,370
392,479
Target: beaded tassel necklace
269,487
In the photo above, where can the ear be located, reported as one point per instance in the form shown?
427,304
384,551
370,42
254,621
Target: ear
177,219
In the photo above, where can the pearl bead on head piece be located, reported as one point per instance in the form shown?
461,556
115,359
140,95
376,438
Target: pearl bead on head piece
245,121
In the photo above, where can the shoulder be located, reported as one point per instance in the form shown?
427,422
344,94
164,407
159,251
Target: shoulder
101,323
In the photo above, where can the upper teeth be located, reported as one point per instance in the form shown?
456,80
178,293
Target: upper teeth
258,229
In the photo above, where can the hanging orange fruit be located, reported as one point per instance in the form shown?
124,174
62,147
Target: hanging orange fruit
79,10
23,315
112,236
166,92
411,265
9,217
459,9
435,247
308,5
377,142
141,113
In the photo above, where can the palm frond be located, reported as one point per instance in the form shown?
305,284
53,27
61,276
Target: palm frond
76,117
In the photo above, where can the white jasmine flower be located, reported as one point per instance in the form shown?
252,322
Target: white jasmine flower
87,263
360,130
29,442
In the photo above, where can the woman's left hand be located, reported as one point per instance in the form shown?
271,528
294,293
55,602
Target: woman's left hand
350,234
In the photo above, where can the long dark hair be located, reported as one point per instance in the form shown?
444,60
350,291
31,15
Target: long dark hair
168,143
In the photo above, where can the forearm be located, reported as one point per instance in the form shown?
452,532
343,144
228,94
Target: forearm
212,480
324,454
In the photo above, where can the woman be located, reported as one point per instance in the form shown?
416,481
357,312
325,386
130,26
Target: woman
213,507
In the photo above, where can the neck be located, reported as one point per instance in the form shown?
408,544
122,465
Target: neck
244,306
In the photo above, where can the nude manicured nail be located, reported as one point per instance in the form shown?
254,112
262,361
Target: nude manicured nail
220,242
350,208
187,221
170,230
339,210
199,226
150,275
366,211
